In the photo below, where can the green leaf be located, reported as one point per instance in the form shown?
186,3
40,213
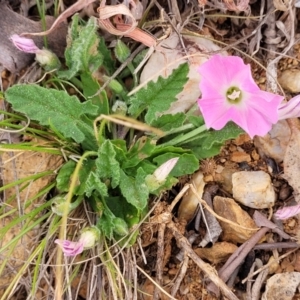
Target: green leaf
230,131
197,121
82,52
108,62
107,165
134,189
209,143
158,96
87,167
106,222
93,182
187,163
64,175
51,106
90,87
142,149
169,122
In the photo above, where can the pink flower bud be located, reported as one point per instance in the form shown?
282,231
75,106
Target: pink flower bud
24,44
287,212
290,109
89,237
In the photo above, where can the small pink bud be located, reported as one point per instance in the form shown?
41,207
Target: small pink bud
287,212
24,44
290,109
162,172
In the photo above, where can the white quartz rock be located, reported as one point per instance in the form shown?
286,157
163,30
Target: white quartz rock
253,189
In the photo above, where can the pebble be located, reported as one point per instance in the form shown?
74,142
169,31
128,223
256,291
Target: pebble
240,157
282,286
253,189
230,210
290,80
275,142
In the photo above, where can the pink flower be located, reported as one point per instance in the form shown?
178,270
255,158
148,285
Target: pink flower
287,212
229,93
24,44
88,238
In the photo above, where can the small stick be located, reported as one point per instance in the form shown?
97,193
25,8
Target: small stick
180,274
206,268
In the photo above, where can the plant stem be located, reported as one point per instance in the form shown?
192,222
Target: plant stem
180,139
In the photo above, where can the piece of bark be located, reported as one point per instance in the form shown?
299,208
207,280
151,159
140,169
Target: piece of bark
11,23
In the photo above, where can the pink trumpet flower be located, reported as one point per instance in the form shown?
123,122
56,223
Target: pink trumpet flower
229,93
287,212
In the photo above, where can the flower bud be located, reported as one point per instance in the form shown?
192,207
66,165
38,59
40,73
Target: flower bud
59,205
121,227
122,52
24,44
89,237
114,85
160,175
120,108
47,59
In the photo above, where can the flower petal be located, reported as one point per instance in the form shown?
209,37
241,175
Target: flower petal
70,248
24,44
287,212
290,109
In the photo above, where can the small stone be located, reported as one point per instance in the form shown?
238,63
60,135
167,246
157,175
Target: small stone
208,178
274,143
290,80
240,157
241,139
255,155
282,286
218,253
253,189
230,210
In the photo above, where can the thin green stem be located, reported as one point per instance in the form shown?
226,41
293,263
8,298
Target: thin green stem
180,139
62,231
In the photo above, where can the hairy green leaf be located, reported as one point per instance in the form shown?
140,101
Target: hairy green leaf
107,165
64,175
158,96
187,163
134,189
50,106
92,183
230,131
169,122
82,52
90,87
